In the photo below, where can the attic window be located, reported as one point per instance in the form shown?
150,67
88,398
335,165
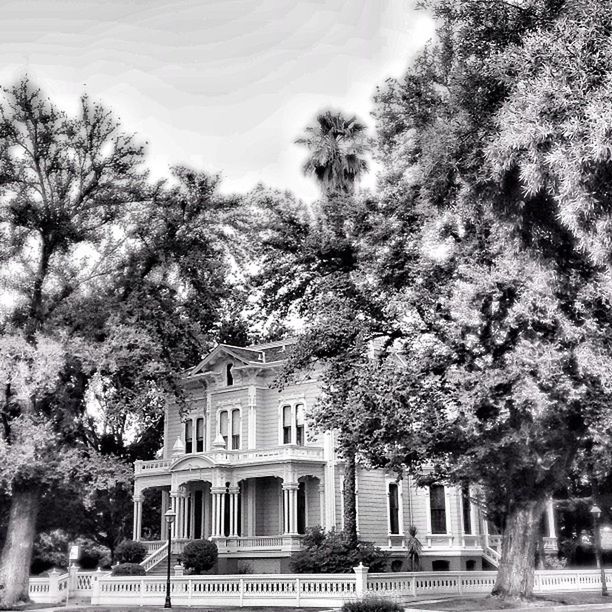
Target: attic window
229,377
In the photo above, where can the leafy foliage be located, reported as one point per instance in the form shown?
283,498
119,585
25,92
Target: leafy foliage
128,569
371,604
333,552
199,556
130,551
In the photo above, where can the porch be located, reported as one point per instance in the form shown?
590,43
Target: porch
264,514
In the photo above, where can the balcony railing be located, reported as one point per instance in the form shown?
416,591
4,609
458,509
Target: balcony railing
277,543
238,457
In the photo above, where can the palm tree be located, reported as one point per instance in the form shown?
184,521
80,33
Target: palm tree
414,547
338,146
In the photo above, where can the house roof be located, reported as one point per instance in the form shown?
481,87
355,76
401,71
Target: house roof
255,354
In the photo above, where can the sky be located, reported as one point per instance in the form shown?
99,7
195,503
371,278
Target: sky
224,86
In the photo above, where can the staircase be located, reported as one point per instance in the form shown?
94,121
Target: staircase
162,567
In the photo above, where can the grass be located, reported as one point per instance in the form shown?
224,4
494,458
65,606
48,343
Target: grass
539,603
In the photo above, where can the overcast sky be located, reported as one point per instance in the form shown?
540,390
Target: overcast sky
221,85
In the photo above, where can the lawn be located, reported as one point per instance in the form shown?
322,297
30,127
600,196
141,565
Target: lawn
484,604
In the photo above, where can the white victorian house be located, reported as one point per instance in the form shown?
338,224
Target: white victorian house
242,469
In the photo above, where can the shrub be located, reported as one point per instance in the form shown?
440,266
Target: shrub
130,552
128,569
199,556
332,552
371,604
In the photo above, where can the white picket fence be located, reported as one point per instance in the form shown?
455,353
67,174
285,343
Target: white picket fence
290,590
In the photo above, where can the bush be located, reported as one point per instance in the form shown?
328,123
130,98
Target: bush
130,552
199,556
371,604
128,569
332,553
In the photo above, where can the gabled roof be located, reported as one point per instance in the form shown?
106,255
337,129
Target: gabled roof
243,355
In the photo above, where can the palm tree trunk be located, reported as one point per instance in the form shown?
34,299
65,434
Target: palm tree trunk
350,501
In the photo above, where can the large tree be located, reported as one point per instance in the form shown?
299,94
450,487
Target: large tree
124,278
492,245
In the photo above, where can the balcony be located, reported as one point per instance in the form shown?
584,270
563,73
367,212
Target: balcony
277,543
277,454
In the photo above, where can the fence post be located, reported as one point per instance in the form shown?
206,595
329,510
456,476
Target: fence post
54,594
361,580
241,592
413,588
460,583
73,570
297,592
95,587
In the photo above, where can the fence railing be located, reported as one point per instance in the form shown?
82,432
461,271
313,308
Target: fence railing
290,590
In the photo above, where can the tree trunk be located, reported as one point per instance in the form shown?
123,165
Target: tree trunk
17,551
516,568
350,504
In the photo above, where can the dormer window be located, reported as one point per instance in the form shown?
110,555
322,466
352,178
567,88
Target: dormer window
229,377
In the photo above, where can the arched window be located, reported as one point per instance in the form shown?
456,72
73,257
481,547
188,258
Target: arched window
235,429
229,377
189,436
200,435
286,424
299,424
223,426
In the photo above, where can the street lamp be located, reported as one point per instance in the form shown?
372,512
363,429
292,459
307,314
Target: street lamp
169,516
596,513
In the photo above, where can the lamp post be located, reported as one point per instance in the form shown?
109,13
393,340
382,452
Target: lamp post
169,516
596,513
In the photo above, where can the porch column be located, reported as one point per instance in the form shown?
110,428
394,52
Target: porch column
185,516
290,490
218,511
137,527
550,511
163,528
174,505
233,500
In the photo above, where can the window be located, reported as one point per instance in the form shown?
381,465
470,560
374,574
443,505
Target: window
199,435
189,436
229,377
439,565
235,429
393,494
286,424
467,509
299,424
437,505
223,426
229,428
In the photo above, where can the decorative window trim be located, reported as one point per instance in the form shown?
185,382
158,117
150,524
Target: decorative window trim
389,480
293,403
446,511
230,408
193,420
